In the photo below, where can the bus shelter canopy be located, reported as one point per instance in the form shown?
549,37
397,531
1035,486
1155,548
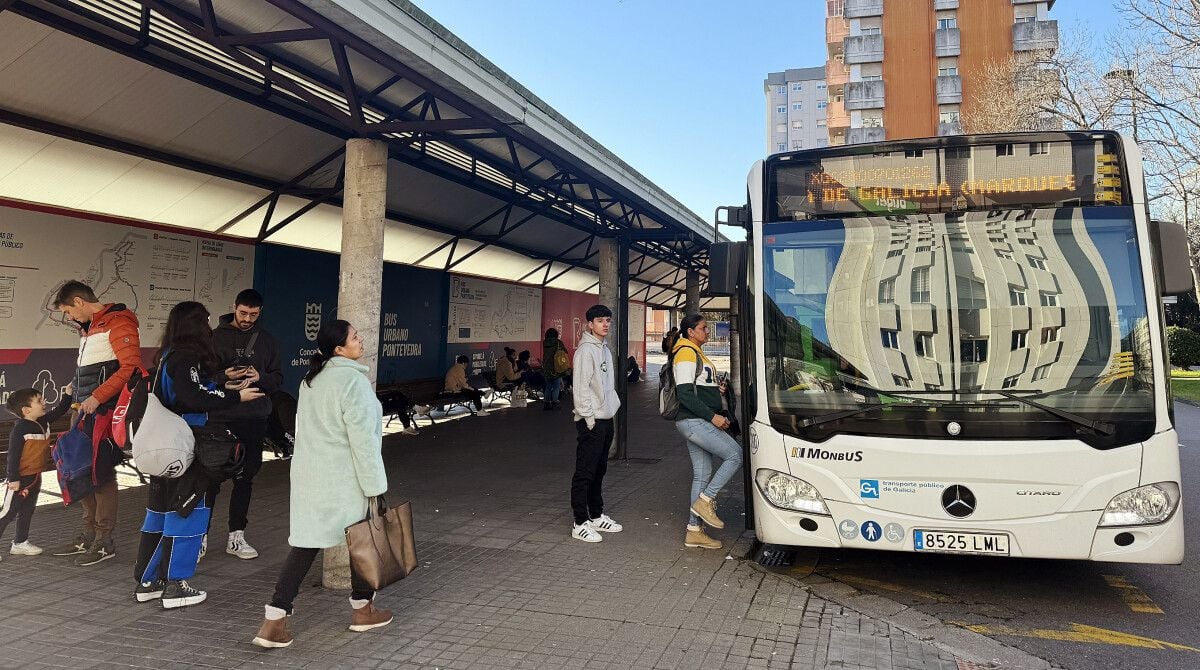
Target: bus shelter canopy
231,116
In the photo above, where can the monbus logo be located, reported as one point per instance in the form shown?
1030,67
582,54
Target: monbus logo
312,320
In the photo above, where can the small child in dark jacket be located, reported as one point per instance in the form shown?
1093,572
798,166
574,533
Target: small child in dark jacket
28,452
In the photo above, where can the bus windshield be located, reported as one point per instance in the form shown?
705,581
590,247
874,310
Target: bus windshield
900,324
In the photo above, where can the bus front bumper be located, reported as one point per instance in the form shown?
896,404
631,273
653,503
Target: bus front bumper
1072,535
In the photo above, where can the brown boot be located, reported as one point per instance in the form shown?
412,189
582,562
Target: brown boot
707,510
367,617
273,634
700,539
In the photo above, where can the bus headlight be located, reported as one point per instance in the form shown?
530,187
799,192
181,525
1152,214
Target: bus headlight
1143,506
787,492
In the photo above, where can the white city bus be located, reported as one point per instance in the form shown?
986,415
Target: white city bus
956,345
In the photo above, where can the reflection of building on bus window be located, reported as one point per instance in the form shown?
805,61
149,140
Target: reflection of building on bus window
958,315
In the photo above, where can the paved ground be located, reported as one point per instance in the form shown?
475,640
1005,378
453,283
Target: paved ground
501,584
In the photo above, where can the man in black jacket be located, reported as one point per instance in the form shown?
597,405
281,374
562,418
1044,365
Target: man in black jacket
250,355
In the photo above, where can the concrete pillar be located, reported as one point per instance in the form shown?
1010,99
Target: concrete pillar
610,289
361,275
691,303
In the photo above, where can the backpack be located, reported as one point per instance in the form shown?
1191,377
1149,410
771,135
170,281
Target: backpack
562,362
163,445
72,455
668,399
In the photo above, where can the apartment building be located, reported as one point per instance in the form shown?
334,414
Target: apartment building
796,105
906,68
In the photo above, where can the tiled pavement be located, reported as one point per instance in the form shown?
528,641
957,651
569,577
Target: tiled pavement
501,583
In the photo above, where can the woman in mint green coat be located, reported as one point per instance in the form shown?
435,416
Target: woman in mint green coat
336,468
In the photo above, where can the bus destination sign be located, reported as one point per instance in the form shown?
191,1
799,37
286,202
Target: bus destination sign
947,180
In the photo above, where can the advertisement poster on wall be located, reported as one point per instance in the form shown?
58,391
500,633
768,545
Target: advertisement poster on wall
147,268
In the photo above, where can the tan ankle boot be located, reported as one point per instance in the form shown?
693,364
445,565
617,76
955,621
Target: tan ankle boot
367,617
707,510
700,539
273,634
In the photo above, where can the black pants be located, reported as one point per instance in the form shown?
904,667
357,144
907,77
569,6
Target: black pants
295,566
24,502
251,432
476,397
591,462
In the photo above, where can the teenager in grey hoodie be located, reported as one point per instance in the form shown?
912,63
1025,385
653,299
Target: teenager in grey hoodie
596,404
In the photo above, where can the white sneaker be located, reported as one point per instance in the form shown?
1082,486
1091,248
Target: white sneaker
604,523
25,548
585,532
203,546
411,430
238,546
422,409
481,412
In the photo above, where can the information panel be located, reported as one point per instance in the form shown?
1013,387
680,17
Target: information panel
490,311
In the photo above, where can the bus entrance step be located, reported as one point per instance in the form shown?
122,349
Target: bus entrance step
775,557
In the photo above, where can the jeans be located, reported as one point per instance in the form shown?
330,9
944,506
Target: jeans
295,566
591,462
553,389
251,432
704,441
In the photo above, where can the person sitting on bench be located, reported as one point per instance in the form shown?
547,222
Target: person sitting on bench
530,376
456,382
507,377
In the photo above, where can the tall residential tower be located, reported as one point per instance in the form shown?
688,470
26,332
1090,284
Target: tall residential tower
796,102
906,68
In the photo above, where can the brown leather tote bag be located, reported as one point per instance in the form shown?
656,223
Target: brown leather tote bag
382,547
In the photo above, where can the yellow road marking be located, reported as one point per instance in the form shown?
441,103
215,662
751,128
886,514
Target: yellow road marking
1134,597
1080,633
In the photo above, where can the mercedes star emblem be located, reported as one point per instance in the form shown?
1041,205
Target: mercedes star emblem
958,501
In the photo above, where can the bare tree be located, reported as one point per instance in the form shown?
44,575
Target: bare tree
1040,90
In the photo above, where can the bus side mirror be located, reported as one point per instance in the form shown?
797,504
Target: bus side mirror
726,266
1171,252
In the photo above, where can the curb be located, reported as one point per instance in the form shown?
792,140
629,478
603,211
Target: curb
972,649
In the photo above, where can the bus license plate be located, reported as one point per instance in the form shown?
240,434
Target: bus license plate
947,542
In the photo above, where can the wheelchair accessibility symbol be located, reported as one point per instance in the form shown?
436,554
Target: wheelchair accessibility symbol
868,488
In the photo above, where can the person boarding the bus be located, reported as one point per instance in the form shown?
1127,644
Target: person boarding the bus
702,423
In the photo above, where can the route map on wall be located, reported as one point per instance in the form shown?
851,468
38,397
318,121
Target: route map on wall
147,270
491,311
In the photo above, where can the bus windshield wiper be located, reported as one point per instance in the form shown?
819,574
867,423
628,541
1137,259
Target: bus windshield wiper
821,419
1103,427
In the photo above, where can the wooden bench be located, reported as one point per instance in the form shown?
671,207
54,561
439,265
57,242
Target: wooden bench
430,392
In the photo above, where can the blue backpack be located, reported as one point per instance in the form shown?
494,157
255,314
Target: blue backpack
72,455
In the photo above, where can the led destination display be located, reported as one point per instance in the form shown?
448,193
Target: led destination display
946,179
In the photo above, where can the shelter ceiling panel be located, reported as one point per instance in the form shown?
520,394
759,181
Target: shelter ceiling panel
319,229
499,263
548,237
213,204
576,279
17,36
427,197
145,191
251,139
405,243
65,173
62,78
155,109
18,145
242,16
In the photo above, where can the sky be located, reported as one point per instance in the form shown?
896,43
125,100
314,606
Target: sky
673,87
